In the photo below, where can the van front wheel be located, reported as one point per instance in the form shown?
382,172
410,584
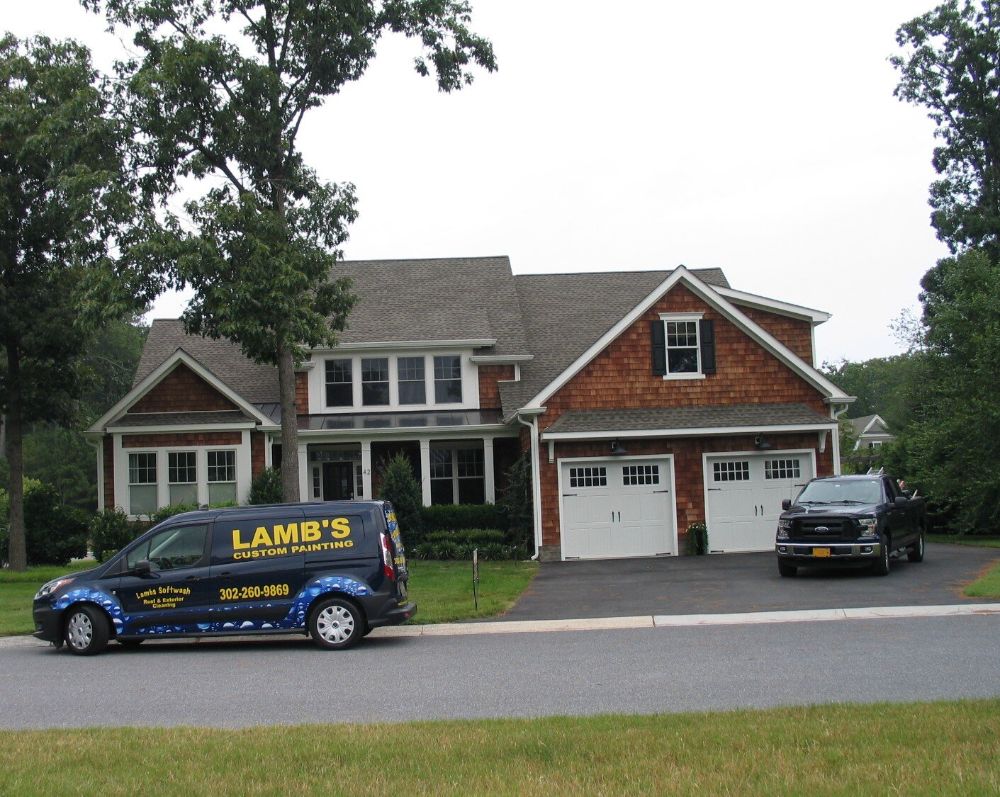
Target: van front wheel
336,624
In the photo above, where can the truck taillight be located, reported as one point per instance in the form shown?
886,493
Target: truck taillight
387,566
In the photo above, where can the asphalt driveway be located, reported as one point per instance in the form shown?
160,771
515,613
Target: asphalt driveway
728,583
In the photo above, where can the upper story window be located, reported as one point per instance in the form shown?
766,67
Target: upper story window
412,388
375,381
339,386
683,346
448,379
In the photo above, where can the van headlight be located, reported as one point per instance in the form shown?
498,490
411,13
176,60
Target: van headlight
51,586
868,526
784,526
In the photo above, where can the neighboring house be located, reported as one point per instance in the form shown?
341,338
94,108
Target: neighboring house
647,401
870,432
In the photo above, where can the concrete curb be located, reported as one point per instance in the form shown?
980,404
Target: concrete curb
642,621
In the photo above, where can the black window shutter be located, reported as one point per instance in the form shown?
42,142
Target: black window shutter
706,334
659,348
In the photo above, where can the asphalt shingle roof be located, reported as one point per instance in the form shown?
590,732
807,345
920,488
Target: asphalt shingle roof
727,416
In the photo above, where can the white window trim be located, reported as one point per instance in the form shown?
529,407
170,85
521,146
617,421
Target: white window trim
317,382
696,317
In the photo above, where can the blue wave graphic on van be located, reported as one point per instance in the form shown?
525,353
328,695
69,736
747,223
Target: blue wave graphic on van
103,599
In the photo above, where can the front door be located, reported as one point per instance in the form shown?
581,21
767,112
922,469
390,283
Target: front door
338,481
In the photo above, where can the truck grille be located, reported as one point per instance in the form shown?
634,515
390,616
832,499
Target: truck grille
834,529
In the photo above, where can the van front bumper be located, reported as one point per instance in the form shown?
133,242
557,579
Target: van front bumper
825,552
48,622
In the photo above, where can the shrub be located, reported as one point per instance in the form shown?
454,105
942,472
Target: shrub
401,488
516,504
54,532
454,517
456,545
170,510
266,487
697,539
110,531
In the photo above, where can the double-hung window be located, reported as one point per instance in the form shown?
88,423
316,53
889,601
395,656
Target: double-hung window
221,477
375,381
142,483
682,347
182,475
339,385
412,388
448,379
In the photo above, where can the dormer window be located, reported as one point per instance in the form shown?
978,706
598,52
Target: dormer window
683,346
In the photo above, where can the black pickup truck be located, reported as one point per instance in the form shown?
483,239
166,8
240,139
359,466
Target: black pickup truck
850,520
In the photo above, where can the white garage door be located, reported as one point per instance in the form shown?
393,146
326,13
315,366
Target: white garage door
615,508
745,492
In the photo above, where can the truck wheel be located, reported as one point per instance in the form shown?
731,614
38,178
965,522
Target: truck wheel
916,552
786,570
881,567
86,631
336,624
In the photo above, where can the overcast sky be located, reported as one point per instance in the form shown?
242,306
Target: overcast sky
762,138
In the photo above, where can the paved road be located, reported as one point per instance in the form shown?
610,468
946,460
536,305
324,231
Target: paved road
742,583
232,684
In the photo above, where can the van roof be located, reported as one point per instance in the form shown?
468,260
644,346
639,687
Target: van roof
272,509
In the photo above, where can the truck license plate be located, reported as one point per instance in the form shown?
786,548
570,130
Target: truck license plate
821,552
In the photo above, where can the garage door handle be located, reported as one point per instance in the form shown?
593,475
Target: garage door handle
568,495
661,491
755,510
715,489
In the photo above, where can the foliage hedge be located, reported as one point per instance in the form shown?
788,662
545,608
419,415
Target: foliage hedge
110,531
266,487
697,539
444,545
54,532
401,489
456,517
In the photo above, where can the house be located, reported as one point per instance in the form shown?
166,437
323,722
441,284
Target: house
646,400
870,432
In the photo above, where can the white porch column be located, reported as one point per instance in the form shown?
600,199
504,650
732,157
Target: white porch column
425,472
305,494
489,485
366,470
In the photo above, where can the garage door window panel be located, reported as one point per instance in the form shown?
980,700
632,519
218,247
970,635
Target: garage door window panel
731,471
782,469
588,477
637,475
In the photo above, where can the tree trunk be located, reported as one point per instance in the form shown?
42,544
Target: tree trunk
289,426
16,552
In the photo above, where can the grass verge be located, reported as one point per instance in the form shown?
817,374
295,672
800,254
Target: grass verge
913,749
442,590
957,539
18,589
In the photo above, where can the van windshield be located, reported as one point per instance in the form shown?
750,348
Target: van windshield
835,491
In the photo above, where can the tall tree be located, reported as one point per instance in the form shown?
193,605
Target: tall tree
951,66
63,204
220,91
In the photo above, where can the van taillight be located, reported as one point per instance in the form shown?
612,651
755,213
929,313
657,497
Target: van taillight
387,567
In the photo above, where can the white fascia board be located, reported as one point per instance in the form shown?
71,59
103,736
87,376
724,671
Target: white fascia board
694,432
871,423
182,429
458,343
775,306
845,400
709,295
500,359
159,373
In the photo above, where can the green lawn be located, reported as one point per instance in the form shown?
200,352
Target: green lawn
17,591
957,539
911,749
987,585
442,590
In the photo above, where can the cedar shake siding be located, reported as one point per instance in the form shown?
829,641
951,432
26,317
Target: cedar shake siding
489,389
182,390
181,439
302,393
621,376
795,334
108,452
257,444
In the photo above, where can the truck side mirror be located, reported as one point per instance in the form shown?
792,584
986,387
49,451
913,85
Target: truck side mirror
901,501
786,503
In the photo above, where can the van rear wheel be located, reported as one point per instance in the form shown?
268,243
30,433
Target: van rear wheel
336,624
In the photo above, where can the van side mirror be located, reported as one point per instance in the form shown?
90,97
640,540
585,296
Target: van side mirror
786,503
142,568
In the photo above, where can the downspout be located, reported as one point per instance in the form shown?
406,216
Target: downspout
536,484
